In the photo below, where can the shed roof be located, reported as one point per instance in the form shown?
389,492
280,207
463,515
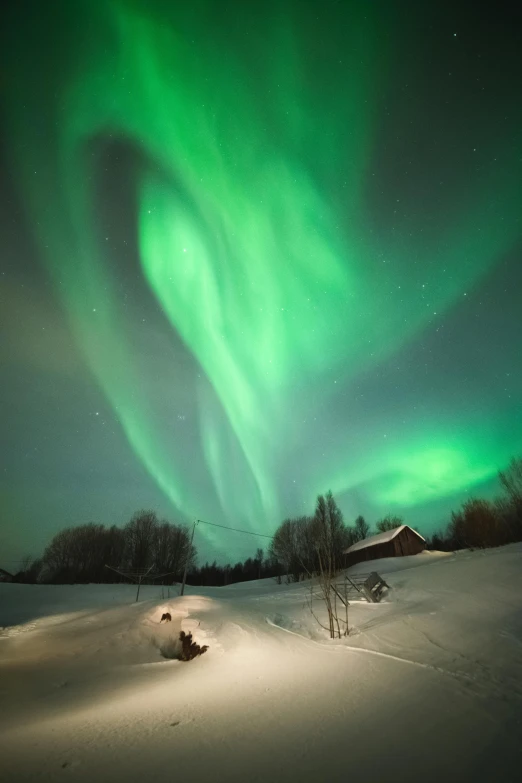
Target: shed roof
380,538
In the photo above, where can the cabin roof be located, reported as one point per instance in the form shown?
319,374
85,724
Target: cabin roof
380,538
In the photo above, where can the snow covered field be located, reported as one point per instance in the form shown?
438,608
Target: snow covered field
428,686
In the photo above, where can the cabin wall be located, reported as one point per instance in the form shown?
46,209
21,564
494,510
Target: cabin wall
371,553
405,543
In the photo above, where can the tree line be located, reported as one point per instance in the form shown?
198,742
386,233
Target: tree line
300,547
481,523
82,554
307,545
257,567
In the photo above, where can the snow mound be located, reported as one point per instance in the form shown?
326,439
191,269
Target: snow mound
431,676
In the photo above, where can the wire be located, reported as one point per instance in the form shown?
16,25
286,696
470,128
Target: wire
235,529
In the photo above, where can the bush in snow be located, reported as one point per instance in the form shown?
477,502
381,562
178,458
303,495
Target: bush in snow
181,648
189,648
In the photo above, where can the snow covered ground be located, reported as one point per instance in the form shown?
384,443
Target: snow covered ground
428,686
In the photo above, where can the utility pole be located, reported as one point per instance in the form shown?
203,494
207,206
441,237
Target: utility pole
188,557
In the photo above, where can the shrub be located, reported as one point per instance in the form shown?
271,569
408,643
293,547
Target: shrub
189,648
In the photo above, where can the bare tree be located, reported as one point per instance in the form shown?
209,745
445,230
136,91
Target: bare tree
329,535
476,525
361,529
29,571
389,522
258,560
80,554
511,480
169,547
140,534
58,555
292,546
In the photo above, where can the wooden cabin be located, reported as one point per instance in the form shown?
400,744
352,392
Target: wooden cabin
400,541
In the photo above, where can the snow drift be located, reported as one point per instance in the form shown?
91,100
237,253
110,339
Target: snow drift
427,686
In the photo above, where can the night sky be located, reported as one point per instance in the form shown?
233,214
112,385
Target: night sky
253,251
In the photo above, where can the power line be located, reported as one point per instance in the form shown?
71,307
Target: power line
235,529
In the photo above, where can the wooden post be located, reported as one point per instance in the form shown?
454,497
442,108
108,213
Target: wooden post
140,577
346,605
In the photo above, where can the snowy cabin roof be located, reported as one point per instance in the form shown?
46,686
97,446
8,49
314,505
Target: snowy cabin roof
380,538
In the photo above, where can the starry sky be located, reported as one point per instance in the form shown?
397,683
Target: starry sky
254,251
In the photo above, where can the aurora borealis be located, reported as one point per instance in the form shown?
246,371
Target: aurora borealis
254,251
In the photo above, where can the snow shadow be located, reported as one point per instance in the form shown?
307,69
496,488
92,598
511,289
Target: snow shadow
21,603
171,648
296,626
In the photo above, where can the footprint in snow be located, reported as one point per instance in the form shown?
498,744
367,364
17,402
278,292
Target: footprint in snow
71,764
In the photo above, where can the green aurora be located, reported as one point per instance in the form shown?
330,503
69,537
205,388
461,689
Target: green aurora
254,154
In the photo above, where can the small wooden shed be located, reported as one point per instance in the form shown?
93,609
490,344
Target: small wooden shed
400,541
